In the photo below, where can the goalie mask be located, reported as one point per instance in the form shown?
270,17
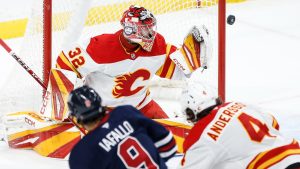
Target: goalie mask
196,98
139,26
85,105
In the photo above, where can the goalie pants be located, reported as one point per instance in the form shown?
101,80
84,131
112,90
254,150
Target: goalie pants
153,111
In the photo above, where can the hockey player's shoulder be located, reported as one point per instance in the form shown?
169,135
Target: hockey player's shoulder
126,109
159,44
103,46
159,41
159,38
103,40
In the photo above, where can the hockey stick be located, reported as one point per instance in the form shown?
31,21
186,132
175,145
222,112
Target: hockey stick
31,72
22,63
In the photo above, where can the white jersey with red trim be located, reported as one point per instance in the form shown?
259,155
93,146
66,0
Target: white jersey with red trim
236,136
120,77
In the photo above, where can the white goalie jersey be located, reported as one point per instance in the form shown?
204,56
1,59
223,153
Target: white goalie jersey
236,136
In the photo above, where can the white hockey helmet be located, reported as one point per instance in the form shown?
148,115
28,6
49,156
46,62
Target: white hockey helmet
197,97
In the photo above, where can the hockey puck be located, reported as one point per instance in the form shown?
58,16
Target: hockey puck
230,19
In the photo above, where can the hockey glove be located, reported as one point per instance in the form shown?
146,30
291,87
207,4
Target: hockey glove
195,51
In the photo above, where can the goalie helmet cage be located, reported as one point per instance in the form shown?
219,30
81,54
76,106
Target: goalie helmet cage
53,24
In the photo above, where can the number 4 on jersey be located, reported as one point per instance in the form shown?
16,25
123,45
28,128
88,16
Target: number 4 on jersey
255,128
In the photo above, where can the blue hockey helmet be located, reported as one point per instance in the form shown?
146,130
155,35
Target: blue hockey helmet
85,105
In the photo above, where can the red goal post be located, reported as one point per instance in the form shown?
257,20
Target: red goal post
55,23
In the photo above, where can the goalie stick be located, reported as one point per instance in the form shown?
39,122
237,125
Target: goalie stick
22,63
31,72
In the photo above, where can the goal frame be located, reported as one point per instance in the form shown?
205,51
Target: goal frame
47,41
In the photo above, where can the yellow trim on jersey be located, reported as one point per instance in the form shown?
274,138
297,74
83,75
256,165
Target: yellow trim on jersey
159,70
167,55
170,68
172,65
52,144
251,166
168,49
278,158
275,123
68,63
275,159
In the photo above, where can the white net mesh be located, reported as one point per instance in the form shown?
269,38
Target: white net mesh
174,19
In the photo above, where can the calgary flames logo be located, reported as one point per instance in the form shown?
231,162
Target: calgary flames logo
124,83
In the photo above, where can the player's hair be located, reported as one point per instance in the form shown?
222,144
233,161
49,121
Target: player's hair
205,112
85,105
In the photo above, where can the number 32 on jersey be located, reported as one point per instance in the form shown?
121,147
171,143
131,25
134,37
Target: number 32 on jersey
76,57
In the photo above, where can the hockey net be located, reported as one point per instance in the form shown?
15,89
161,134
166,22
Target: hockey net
77,20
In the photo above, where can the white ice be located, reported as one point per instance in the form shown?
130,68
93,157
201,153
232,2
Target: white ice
262,67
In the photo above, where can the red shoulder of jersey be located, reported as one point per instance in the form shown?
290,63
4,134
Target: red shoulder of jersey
106,48
159,46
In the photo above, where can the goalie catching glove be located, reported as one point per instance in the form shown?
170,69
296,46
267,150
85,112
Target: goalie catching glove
195,51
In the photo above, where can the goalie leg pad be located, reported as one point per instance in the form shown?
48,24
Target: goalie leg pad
45,136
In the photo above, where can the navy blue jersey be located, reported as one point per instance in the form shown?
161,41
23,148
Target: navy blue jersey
125,139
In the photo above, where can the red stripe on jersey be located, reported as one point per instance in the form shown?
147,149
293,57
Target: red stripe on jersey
199,127
197,130
165,68
275,123
168,146
169,66
273,156
62,65
62,62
